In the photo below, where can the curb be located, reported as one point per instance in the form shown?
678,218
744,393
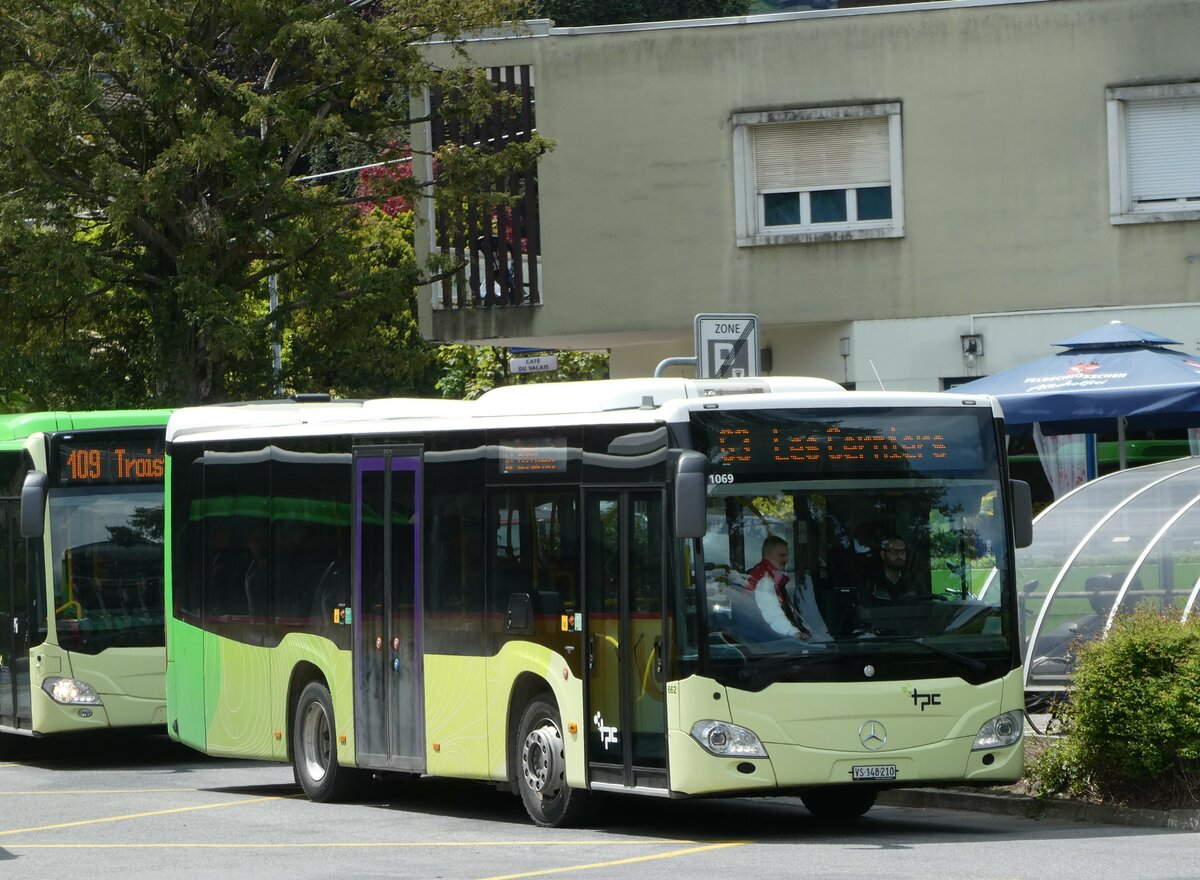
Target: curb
1039,808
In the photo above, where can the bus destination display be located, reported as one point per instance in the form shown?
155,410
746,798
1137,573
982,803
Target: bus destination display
541,455
823,443
106,461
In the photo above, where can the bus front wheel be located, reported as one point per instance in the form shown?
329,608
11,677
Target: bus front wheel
541,768
839,802
314,750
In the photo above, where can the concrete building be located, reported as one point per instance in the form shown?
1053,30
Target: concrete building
907,194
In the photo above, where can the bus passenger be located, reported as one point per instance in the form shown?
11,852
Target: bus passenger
767,585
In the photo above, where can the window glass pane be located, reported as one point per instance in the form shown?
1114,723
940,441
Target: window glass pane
828,206
781,209
875,203
310,537
108,568
1161,137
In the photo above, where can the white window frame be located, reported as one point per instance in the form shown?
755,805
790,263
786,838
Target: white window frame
1122,207
748,204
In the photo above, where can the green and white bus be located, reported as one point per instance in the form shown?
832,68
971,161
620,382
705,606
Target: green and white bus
545,589
81,571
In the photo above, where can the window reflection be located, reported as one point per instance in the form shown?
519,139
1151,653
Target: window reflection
108,568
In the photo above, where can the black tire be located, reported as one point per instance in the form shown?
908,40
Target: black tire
540,768
314,750
839,802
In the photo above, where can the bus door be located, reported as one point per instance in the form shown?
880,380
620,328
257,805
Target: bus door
627,745
389,719
15,621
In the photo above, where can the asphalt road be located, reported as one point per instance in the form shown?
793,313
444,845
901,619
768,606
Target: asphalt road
149,808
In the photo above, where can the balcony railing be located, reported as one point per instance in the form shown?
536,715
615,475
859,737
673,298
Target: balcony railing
498,250
489,279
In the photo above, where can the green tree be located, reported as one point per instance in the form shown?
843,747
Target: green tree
467,371
579,13
369,345
151,163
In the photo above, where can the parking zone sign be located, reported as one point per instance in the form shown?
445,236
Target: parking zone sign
727,346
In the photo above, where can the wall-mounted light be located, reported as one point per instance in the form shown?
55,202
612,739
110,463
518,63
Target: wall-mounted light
972,344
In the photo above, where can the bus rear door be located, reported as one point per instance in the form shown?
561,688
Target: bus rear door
389,708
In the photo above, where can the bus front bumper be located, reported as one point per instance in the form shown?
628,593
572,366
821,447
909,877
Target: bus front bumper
694,771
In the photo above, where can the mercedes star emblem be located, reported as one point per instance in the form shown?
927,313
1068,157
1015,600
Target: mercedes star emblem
872,735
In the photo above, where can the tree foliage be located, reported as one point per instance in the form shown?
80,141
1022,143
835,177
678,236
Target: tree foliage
152,155
578,13
467,371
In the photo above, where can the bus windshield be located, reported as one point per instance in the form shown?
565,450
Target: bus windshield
849,544
107,547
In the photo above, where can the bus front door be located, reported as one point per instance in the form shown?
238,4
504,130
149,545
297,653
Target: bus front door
389,719
14,620
626,712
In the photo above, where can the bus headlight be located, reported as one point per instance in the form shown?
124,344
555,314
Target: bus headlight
70,691
728,740
1003,730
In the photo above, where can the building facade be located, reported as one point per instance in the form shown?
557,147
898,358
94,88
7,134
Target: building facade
905,195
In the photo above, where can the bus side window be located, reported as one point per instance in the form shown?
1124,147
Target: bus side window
536,551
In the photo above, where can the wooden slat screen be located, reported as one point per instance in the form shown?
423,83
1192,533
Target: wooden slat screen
498,249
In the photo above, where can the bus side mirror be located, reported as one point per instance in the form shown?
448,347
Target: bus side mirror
691,520
33,504
1022,506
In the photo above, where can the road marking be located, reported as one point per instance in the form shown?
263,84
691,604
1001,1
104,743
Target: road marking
100,791
144,815
674,854
341,844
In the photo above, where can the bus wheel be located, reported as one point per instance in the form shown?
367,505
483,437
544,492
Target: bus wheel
839,802
541,768
314,752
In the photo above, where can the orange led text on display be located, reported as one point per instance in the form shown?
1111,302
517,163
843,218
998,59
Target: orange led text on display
740,445
117,464
539,456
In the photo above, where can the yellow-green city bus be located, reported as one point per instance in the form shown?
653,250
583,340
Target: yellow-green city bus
81,572
549,588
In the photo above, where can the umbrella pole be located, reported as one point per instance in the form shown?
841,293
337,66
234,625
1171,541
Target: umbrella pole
1121,442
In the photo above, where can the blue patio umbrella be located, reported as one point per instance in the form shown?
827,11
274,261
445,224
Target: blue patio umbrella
1113,376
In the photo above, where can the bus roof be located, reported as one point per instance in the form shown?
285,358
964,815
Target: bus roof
283,415
621,401
616,394
18,426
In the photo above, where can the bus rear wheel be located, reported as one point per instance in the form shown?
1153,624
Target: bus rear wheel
839,802
540,767
314,750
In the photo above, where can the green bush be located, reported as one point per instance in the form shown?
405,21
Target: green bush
1131,725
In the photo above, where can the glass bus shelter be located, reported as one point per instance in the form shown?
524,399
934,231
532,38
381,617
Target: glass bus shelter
1126,540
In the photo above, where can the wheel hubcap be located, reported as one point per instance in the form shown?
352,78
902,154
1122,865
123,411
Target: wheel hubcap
542,760
315,742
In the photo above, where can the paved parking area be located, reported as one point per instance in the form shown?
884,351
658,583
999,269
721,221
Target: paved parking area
148,808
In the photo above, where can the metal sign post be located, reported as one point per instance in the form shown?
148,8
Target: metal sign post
727,347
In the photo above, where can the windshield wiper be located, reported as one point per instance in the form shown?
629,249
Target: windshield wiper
970,663
760,671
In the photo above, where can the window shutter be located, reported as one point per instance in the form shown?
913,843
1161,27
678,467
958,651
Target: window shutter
1164,148
822,153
